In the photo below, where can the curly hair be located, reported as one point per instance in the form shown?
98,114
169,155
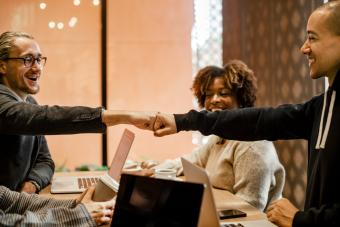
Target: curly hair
237,76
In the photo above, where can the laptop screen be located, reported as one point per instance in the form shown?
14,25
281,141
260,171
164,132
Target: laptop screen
146,201
121,154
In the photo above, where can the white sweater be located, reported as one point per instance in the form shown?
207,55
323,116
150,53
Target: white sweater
250,170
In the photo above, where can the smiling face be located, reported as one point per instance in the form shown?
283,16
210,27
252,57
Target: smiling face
322,47
21,79
219,97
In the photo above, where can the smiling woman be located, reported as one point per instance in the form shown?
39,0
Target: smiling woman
250,170
232,86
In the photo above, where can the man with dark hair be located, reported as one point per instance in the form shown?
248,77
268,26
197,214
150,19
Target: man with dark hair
317,121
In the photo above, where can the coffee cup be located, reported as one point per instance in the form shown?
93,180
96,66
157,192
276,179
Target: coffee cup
165,174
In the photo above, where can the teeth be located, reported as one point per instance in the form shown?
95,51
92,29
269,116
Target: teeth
311,60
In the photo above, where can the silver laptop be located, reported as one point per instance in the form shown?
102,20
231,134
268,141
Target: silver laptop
78,184
208,214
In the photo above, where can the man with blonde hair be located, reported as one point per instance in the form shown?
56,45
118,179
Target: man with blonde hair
26,163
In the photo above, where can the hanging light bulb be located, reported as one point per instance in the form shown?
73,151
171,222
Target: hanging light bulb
51,24
60,25
72,22
76,2
42,5
95,2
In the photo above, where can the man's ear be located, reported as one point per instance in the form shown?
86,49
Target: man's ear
3,67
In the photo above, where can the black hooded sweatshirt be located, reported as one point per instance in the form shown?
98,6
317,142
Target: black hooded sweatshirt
317,121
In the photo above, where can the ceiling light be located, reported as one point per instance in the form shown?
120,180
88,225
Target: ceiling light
51,24
76,2
95,2
60,25
43,5
72,22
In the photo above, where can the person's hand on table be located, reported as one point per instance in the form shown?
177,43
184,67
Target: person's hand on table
140,172
148,164
29,187
101,212
281,212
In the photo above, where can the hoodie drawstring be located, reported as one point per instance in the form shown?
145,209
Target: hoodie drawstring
324,134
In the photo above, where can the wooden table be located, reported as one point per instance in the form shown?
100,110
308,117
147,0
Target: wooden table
224,199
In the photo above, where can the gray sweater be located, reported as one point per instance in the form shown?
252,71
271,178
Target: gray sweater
250,170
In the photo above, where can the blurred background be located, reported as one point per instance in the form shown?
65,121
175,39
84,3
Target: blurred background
143,54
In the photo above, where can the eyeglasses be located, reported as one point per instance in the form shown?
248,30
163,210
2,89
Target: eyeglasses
29,60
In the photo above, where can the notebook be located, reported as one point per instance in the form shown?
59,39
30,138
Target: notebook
209,216
78,184
147,201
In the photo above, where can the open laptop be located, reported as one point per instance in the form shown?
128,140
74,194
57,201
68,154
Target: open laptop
151,202
78,184
209,216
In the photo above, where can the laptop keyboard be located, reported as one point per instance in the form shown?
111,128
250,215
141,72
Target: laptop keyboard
85,182
232,225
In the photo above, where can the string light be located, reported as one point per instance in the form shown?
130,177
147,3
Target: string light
72,22
76,2
42,5
60,25
51,24
95,2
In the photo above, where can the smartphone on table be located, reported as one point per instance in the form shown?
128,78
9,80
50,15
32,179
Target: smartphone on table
232,213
